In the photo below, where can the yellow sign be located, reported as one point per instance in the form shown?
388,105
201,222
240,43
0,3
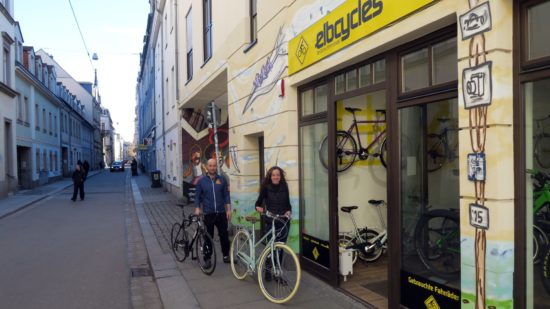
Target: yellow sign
431,303
348,23
315,253
142,147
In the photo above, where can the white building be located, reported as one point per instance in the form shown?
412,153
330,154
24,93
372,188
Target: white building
8,161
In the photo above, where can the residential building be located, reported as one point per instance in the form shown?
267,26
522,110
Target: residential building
38,118
83,132
431,107
107,132
118,147
8,100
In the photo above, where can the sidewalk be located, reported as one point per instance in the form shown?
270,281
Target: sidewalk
183,285
24,198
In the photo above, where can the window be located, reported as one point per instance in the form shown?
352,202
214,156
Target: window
27,111
36,117
365,75
207,29
44,120
314,100
20,109
6,64
253,21
51,124
55,125
428,66
37,160
189,42
538,45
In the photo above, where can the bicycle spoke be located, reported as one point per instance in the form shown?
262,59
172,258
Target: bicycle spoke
279,274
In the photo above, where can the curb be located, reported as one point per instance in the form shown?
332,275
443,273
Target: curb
173,288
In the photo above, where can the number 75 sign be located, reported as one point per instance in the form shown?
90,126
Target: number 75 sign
479,216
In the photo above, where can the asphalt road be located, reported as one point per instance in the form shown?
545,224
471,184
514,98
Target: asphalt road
63,254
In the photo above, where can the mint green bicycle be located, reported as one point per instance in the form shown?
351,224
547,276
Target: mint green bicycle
277,266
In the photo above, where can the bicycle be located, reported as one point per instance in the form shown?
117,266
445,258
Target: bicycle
437,241
367,244
346,145
542,144
276,261
440,149
201,242
541,212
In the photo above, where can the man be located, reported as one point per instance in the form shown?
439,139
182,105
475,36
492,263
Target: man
213,193
86,167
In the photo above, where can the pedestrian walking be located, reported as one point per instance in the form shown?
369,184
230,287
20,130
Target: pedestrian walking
86,167
134,166
212,193
275,198
78,182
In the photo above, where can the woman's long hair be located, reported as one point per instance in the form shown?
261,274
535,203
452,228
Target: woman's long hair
267,179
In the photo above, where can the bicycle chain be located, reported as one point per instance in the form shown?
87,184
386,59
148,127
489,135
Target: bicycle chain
478,137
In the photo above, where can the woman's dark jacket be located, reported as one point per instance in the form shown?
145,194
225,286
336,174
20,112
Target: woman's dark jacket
276,198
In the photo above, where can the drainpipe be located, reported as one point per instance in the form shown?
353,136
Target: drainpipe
163,96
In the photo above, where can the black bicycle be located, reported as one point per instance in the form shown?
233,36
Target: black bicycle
442,146
346,145
200,246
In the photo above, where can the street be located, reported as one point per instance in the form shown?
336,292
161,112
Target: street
63,254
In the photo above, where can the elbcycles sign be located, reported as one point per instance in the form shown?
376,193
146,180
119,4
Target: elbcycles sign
348,23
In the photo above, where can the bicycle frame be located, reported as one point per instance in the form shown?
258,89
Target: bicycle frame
251,260
354,126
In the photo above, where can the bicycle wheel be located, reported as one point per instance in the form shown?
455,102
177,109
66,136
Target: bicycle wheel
436,154
205,252
346,151
437,242
240,248
384,153
368,235
345,241
540,241
279,273
542,151
179,239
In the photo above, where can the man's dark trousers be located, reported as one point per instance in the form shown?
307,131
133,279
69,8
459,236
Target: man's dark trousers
219,220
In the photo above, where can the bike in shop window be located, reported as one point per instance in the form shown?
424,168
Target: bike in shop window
430,200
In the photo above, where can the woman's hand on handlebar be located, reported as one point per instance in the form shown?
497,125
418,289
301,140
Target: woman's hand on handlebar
260,209
288,214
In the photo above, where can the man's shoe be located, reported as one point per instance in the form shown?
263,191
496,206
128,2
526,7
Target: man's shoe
226,259
73,199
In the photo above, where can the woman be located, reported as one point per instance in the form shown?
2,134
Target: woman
78,182
276,198
274,194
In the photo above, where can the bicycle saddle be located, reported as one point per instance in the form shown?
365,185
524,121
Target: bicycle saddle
376,202
352,109
251,219
348,208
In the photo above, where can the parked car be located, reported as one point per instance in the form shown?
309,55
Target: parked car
117,166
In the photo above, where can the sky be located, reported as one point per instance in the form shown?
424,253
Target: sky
112,29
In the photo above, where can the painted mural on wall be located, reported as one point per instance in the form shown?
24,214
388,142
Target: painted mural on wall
487,281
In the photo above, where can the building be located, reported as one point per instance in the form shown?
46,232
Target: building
118,147
430,106
38,118
107,132
83,146
146,120
8,97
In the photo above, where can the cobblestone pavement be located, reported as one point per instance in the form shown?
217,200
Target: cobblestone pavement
222,289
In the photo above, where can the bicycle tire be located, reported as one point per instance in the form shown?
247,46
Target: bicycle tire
345,154
384,153
239,245
204,246
540,241
545,268
377,253
436,154
542,151
432,248
289,265
179,239
344,241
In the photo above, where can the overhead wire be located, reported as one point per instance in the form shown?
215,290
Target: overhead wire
81,35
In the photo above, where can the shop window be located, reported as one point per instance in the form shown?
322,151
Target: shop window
351,80
340,84
538,25
537,173
380,71
314,100
365,76
430,221
429,66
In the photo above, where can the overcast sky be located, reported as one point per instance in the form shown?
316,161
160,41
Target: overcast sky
112,29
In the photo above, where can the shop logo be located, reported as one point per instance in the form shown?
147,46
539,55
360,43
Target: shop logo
431,303
315,253
476,84
475,21
301,51
343,26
